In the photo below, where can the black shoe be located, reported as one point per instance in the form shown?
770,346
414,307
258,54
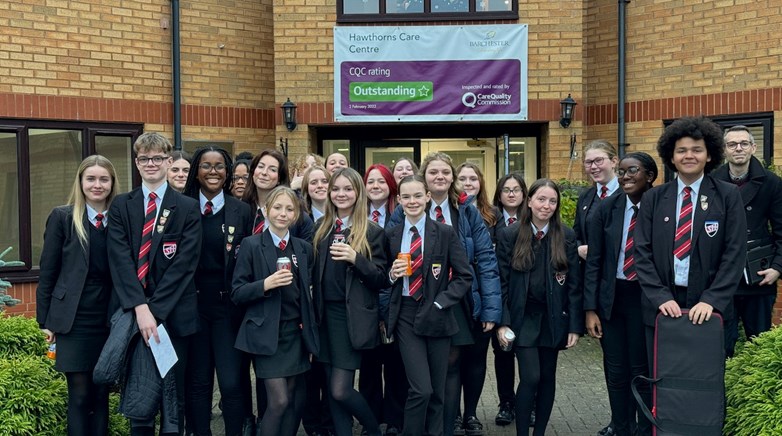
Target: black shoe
458,429
607,431
506,415
532,418
472,426
392,431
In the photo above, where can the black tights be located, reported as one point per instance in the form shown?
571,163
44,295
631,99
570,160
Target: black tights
537,375
347,402
88,405
284,406
453,389
473,373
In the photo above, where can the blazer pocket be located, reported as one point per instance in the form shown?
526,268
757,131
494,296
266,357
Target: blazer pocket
59,292
256,320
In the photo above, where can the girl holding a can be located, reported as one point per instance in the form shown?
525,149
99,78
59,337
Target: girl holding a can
272,278
542,301
225,221
430,277
350,269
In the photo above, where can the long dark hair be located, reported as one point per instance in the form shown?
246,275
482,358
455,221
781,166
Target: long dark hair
283,179
193,186
523,254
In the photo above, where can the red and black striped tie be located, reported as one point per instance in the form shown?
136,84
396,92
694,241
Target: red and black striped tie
99,221
438,214
259,222
208,208
416,279
146,239
338,228
376,216
681,241
628,269
511,220
603,192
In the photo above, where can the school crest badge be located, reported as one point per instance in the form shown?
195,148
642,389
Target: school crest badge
295,260
169,249
711,227
560,278
436,270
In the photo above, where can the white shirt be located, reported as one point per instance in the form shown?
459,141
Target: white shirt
276,239
407,239
160,192
681,268
217,203
381,220
612,186
535,230
507,216
316,214
92,213
446,207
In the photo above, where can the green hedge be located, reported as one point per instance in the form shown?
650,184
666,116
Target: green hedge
753,384
33,395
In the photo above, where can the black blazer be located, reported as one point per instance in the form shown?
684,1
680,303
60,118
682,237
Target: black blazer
564,301
364,282
64,267
716,261
762,200
170,286
605,242
441,246
238,225
260,328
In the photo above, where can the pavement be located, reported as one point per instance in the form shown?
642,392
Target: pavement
580,408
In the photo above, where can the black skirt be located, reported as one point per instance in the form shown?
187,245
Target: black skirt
79,349
335,346
464,336
535,330
291,357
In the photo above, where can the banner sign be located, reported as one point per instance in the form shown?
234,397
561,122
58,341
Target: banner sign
430,73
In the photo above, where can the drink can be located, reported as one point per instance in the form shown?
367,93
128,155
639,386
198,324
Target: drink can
510,337
283,263
407,258
339,238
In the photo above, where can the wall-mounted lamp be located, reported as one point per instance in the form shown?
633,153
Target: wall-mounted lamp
289,114
568,108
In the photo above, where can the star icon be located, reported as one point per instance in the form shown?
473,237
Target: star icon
423,91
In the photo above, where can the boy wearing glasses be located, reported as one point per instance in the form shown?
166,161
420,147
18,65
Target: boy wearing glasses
154,241
690,239
761,195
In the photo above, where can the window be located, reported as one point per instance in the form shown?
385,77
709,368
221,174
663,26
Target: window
425,10
38,161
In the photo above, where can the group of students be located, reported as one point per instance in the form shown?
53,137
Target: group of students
311,273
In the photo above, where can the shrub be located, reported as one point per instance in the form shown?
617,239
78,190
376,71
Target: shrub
20,336
33,396
753,385
569,190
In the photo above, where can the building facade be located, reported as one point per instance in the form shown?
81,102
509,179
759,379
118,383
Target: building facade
85,76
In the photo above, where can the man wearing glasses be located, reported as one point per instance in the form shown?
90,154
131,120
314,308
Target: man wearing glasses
154,242
761,194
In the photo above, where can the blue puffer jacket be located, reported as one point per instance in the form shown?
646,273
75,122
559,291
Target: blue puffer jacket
486,294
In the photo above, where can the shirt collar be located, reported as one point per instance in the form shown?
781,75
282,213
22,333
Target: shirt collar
612,186
92,213
535,229
629,204
696,186
506,215
419,225
217,202
276,239
346,222
381,209
316,214
160,191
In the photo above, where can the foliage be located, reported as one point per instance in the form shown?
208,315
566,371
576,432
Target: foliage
753,384
33,396
569,189
5,299
20,336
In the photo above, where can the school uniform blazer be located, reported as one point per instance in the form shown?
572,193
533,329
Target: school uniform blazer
716,257
761,197
172,294
260,328
586,200
238,217
365,279
441,248
564,301
64,267
605,243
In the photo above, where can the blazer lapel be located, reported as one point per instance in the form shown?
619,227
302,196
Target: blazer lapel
705,198
323,252
229,231
86,251
395,240
268,250
135,211
669,220
164,217
429,247
617,229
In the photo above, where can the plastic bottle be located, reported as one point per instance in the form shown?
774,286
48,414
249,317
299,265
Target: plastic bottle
52,352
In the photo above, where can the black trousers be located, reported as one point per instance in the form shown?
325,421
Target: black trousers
426,364
755,314
505,372
383,383
624,351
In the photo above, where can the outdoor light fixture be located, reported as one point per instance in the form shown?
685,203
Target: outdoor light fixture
289,114
568,107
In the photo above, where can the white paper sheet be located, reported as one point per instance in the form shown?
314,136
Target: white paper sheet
165,355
